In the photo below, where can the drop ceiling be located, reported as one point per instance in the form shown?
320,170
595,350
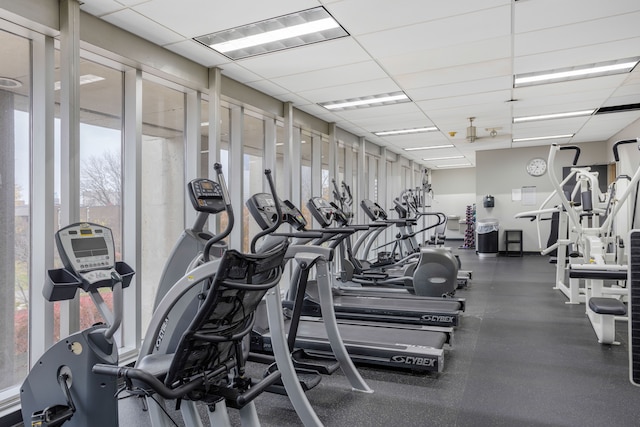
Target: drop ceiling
454,60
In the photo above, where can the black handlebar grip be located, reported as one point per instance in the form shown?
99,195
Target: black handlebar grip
615,147
572,147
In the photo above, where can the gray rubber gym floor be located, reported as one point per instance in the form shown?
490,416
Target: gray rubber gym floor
521,357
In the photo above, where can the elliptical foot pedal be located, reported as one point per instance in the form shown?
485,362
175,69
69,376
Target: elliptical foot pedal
308,379
324,365
53,416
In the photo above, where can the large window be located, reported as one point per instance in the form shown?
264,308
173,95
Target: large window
163,191
15,69
100,161
253,172
306,192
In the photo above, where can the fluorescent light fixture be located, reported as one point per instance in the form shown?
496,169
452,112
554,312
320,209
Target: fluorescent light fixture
429,147
406,131
204,124
573,73
542,138
454,165
284,32
553,116
84,79
367,101
443,158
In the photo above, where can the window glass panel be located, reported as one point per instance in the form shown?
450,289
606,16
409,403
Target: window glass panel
305,174
162,183
14,209
225,120
326,180
100,162
280,169
253,147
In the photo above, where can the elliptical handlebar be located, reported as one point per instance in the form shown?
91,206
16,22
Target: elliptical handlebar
230,217
274,226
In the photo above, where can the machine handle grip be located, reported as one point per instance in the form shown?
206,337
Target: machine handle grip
615,147
577,150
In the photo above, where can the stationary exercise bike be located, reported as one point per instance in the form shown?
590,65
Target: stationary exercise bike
60,386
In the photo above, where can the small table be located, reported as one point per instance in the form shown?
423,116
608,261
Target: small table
511,238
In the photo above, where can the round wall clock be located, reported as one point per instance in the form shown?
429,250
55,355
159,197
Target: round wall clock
537,166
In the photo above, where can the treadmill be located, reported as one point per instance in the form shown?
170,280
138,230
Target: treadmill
394,305
381,344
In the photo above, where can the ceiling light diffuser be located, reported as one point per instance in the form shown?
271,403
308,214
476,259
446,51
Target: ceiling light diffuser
406,131
367,101
444,158
454,165
564,74
284,32
429,147
553,116
542,138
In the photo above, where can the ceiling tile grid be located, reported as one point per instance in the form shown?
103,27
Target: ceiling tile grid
454,60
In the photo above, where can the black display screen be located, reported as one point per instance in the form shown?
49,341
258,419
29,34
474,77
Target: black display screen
90,246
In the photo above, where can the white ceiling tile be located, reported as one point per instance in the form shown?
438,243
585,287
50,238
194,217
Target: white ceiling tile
380,111
354,90
100,7
143,27
581,34
360,16
199,17
267,86
198,53
335,76
308,58
455,59
449,56
471,72
601,126
239,73
582,55
461,89
534,15
130,3
471,27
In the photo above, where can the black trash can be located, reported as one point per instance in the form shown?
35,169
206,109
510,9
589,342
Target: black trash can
487,237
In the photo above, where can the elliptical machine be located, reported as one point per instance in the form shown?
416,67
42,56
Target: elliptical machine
207,363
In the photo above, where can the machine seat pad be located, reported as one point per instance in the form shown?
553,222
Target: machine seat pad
156,364
612,306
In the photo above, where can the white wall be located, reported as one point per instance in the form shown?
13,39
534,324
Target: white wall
453,190
498,172
629,162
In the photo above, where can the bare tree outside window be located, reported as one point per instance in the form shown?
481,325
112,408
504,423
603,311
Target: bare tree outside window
100,180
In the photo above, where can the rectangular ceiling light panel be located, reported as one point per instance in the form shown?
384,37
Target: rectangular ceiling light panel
543,138
553,116
573,73
406,131
429,147
366,101
284,32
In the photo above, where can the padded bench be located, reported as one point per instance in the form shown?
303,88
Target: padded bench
609,306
